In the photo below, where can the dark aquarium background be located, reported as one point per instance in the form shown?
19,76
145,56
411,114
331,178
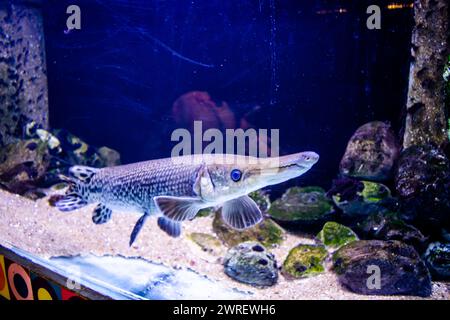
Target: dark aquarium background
314,68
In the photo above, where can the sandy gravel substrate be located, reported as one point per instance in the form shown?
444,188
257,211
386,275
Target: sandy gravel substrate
40,229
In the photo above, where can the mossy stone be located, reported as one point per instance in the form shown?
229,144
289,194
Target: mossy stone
262,200
374,192
369,200
304,260
205,212
206,242
302,207
267,232
334,235
437,258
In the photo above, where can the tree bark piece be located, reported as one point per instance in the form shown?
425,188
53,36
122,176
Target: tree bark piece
426,119
23,78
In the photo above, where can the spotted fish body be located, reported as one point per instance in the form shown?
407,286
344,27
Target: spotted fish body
132,187
175,189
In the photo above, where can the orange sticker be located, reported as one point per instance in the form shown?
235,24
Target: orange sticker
20,282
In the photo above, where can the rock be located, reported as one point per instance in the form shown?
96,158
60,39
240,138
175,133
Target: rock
374,192
423,183
22,165
250,263
34,131
388,226
304,260
32,153
109,157
38,160
262,200
75,151
371,152
437,258
67,150
401,271
302,208
358,199
206,242
206,212
418,168
334,235
267,232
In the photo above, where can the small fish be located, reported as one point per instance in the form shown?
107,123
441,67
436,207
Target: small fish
175,189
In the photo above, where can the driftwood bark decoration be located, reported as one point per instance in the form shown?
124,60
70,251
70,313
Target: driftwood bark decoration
426,115
23,79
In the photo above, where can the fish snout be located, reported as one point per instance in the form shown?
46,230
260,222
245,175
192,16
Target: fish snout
302,159
309,157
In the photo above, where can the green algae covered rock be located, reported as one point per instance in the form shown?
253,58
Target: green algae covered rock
366,201
262,200
334,235
359,199
206,212
302,207
437,258
206,242
304,260
267,232
374,192
250,263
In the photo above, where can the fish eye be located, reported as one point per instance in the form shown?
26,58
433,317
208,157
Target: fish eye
236,175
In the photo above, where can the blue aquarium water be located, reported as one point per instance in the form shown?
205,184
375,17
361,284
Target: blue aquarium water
317,74
255,149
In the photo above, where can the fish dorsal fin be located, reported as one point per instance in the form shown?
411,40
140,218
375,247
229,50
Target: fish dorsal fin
241,213
178,208
83,173
101,214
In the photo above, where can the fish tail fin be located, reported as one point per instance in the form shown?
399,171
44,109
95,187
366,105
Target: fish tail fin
75,196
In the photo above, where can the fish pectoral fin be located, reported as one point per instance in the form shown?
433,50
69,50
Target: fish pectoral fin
101,214
137,228
241,213
172,228
178,208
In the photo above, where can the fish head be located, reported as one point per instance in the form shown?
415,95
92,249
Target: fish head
222,180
